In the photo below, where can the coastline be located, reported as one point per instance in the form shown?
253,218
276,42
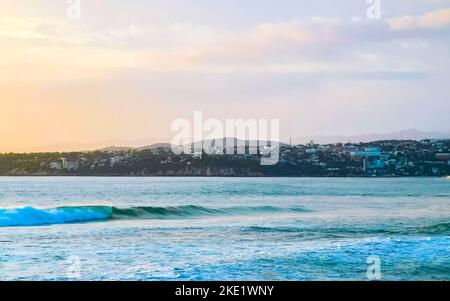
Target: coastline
388,159
232,177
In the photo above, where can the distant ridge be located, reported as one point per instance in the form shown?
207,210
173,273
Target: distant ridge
106,145
154,143
115,149
165,146
127,148
410,134
205,144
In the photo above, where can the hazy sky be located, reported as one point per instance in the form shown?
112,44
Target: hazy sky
127,69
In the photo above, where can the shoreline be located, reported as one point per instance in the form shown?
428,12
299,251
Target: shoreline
218,176
387,159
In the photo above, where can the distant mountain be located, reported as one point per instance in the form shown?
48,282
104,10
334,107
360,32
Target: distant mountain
165,146
115,149
123,145
111,145
228,142
400,135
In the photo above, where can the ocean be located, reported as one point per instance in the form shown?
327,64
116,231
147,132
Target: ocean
105,228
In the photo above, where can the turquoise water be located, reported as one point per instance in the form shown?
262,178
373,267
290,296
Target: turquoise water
223,228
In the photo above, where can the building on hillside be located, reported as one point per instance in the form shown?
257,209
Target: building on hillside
372,164
371,157
56,165
115,160
367,152
69,164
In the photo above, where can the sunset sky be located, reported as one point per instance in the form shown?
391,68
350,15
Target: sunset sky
126,69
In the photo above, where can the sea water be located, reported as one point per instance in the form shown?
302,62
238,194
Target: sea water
66,228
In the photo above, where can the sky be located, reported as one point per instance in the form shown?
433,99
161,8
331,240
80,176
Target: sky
125,70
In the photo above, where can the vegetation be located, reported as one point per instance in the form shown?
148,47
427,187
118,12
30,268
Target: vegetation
399,158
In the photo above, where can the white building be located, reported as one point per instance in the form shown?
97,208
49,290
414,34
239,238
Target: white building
56,165
115,160
69,164
367,152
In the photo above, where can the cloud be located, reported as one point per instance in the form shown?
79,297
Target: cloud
64,45
435,19
59,49
48,30
133,68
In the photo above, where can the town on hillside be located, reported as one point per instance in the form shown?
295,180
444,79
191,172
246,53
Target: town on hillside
394,158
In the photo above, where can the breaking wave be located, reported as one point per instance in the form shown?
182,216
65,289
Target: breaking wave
30,216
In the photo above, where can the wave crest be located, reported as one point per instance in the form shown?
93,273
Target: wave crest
30,216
